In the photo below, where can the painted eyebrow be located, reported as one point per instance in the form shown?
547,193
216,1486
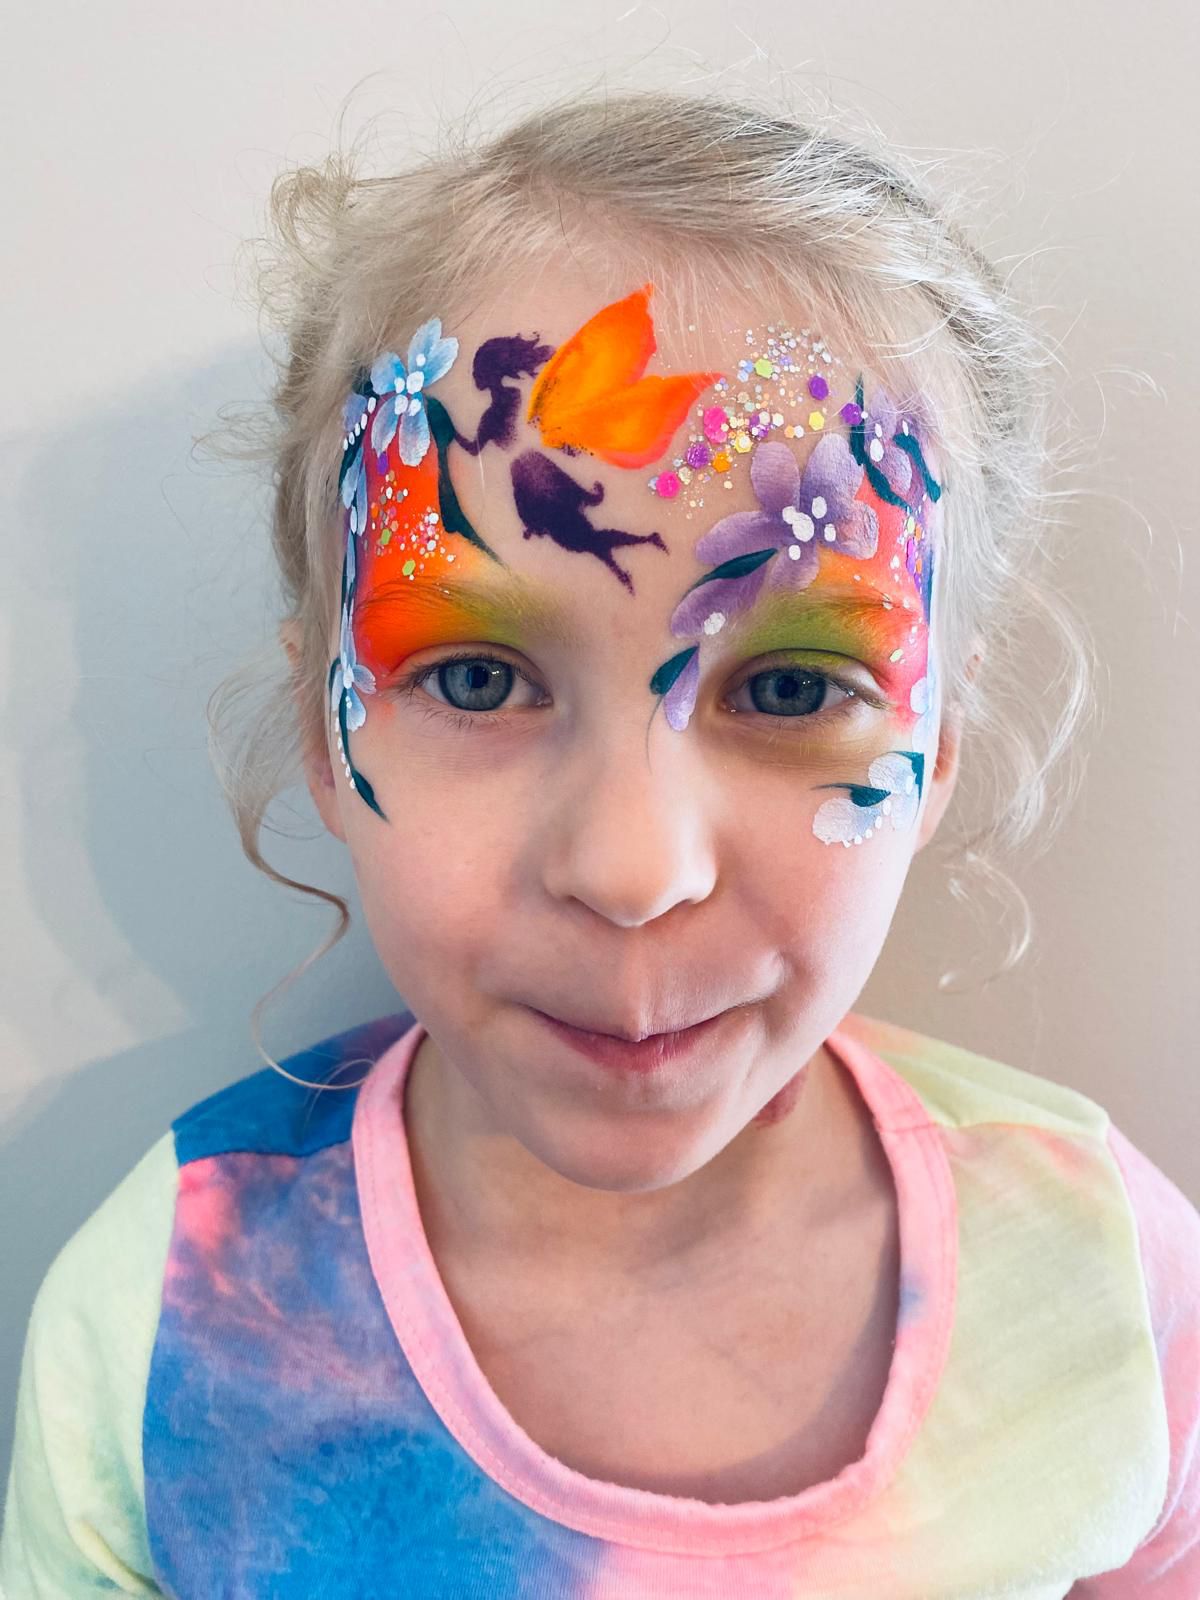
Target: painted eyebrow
531,605
522,603
785,605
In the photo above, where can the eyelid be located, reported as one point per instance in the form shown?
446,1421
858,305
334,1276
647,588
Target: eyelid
411,679
864,685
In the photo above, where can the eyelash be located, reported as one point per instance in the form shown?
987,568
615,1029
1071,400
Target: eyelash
468,720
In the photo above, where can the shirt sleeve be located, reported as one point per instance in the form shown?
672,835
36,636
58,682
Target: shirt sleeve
74,1514
1166,1565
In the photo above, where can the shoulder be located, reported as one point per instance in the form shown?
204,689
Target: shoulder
1085,1166
962,1088
1168,1226
74,1514
267,1113
74,1519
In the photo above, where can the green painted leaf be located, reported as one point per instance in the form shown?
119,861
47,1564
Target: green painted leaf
666,675
454,518
863,795
737,566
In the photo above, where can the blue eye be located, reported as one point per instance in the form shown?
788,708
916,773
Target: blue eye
477,686
796,692
482,682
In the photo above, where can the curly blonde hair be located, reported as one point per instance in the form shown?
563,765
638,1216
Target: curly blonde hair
705,194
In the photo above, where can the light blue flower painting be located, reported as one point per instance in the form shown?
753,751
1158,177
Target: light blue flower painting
401,389
355,415
349,677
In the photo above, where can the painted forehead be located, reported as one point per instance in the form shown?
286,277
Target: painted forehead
848,532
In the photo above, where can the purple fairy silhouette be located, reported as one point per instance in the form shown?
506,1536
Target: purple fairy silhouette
495,360
551,504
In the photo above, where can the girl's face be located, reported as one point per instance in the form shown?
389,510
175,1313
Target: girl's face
633,705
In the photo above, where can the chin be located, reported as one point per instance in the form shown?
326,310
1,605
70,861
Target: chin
629,1153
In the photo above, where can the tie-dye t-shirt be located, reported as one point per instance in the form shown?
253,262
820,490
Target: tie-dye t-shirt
243,1376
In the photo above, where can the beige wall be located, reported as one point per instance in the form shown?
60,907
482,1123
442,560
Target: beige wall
140,141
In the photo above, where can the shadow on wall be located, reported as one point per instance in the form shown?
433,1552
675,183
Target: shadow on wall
148,577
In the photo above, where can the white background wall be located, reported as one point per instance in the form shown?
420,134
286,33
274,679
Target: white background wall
140,141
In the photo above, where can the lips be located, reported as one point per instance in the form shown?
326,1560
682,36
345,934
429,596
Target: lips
684,1046
603,1031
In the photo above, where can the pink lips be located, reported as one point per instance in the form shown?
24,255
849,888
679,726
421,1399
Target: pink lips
644,1055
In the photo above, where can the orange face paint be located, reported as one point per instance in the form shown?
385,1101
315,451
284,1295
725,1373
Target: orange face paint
593,394
408,567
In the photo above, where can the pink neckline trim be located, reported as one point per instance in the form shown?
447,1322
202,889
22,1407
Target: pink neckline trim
443,1363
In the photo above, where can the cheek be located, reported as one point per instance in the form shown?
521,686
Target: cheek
828,905
432,879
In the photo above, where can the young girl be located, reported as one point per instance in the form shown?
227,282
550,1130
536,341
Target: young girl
652,483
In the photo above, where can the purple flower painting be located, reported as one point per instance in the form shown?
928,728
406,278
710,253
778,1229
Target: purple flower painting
881,423
798,514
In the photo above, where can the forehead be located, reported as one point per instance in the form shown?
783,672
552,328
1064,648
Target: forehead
600,434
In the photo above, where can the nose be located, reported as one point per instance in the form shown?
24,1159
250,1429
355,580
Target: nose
625,829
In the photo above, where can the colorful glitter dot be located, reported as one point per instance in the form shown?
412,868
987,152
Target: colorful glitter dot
720,462
816,419
742,442
698,454
818,387
764,367
851,414
667,485
716,424
408,568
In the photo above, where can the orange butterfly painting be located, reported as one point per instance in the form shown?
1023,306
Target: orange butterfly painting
592,394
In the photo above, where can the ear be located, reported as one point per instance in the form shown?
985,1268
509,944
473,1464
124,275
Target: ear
940,783
318,769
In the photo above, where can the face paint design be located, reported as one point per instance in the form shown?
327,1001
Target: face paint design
550,502
895,783
593,395
855,514
393,408
863,499
785,390
496,360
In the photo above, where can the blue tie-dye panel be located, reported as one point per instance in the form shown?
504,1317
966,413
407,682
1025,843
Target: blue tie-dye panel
289,1451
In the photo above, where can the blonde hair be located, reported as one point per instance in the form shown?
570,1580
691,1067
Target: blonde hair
717,194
